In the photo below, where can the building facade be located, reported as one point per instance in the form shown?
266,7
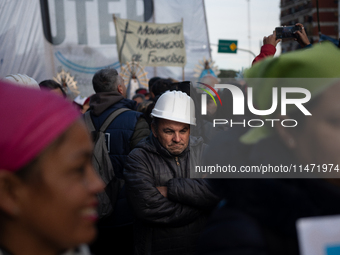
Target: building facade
305,12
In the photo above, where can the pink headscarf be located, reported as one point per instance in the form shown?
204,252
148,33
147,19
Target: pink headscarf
30,120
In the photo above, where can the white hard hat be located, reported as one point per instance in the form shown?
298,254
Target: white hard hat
176,106
22,79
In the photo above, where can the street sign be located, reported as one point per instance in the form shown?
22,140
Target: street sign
227,46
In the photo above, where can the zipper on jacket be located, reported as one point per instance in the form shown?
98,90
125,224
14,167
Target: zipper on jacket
176,158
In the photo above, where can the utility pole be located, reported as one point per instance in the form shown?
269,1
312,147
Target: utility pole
249,37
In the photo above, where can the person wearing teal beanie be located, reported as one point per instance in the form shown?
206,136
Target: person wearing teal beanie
261,210
313,69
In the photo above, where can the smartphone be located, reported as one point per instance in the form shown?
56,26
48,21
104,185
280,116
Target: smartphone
287,32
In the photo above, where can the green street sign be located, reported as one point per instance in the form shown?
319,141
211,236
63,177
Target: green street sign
227,46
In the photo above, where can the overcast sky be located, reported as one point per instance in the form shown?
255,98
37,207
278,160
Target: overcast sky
228,19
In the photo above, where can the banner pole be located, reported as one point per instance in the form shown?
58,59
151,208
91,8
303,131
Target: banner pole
153,21
114,21
183,75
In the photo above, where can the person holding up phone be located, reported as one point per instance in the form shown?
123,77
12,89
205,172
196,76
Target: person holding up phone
302,37
270,42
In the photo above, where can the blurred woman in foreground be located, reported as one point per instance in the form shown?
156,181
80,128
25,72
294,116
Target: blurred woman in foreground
47,184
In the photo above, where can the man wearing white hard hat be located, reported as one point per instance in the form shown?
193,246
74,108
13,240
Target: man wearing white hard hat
170,208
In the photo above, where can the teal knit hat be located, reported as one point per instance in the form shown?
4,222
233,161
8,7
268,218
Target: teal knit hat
310,69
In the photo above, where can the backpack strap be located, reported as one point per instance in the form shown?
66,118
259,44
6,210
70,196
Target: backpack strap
107,122
111,117
88,122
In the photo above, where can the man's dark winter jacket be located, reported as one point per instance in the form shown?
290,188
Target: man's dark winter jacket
166,225
125,131
123,134
259,215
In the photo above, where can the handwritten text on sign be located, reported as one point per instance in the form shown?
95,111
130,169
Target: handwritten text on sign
150,44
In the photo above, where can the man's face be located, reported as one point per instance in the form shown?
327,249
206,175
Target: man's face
173,136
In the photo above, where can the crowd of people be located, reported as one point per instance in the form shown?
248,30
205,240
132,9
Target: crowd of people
108,175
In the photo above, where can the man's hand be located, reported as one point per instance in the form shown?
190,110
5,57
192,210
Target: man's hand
302,36
271,39
163,190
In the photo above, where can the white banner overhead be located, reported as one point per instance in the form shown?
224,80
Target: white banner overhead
150,44
42,37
